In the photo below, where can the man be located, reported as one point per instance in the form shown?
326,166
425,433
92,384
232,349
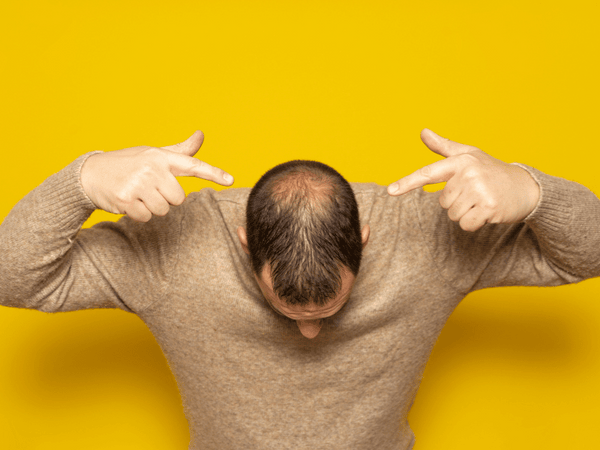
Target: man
299,313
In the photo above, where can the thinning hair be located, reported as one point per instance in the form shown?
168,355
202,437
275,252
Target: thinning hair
302,218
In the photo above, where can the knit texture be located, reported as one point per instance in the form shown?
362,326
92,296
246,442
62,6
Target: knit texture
248,379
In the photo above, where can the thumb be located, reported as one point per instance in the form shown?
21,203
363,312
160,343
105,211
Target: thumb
188,147
442,146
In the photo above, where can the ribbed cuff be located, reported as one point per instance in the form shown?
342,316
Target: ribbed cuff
61,199
555,206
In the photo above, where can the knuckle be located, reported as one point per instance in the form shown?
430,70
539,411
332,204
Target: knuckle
443,201
152,159
179,199
200,167
468,158
493,219
139,216
471,173
491,203
145,215
445,198
124,196
163,209
147,168
425,171
161,212
467,226
153,151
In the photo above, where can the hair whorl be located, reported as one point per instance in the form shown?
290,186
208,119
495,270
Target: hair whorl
302,218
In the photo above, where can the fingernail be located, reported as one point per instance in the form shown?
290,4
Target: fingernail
228,178
393,189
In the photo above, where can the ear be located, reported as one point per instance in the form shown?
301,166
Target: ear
241,232
366,232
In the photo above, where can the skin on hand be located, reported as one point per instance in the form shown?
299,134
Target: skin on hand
479,189
140,181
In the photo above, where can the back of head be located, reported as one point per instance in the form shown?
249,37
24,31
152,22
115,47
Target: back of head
302,218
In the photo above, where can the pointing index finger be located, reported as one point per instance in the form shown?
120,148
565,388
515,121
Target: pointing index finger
187,166
437,172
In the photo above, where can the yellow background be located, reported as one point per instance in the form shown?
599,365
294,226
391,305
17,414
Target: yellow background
349,83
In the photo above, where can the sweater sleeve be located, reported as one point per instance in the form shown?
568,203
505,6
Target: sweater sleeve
49,263
558,243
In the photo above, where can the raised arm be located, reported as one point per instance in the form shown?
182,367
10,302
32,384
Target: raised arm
49,263
499,224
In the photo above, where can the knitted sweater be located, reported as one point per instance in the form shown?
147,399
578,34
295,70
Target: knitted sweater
247,377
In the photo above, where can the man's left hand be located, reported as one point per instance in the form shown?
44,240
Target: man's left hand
479,189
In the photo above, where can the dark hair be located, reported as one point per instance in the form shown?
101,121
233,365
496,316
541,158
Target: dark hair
302,218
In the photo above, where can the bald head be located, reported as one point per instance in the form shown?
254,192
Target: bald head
302,220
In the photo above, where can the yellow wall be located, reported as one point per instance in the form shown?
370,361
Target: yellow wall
349,83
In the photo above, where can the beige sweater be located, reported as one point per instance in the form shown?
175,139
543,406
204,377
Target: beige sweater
247,377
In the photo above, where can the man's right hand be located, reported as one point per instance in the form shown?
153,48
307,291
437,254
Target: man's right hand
140,181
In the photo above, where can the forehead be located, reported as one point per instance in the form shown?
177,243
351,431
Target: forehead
310,311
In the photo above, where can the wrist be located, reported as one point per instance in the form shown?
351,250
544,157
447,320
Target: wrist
531,190
86,177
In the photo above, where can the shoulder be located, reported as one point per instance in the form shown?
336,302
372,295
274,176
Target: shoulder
375,196
210,196
210,201
378,190
212,209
